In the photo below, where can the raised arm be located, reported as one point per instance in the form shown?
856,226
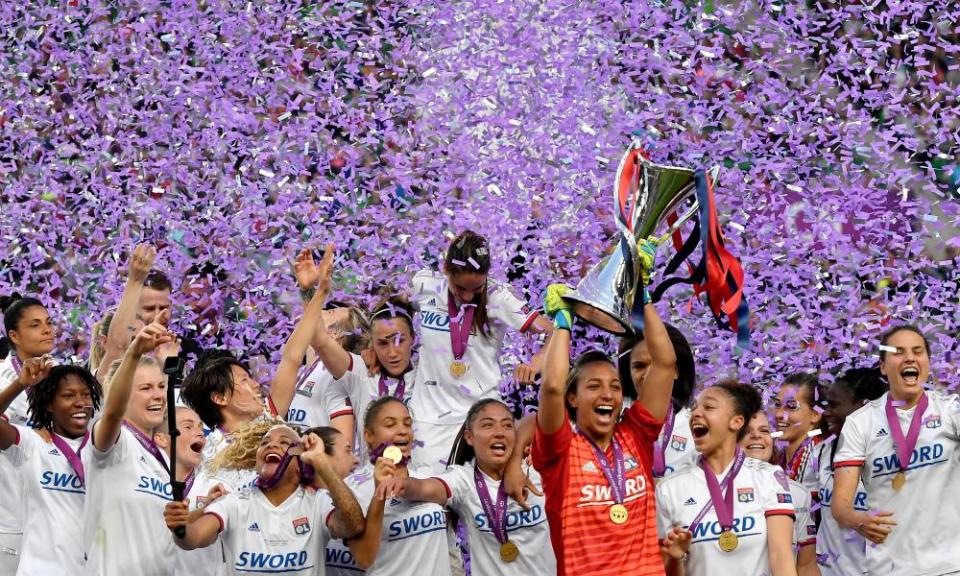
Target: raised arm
33,371
556,362
516,482
333,356
124,321
415,489
658,383
107,428
365,546
284,384
347,519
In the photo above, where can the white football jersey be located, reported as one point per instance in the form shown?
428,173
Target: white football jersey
310,407
804,525
53,495
926,519
761,491
840,552
528,529
260,538
233,480
678,448
340,560
356,390
123,528
414,537
439,397
11,511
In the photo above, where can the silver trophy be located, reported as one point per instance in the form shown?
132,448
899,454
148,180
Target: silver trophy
644,194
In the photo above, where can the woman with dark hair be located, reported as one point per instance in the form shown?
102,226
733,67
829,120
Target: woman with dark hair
903,446
798,422
701,521
841,552
48,460
674,446
598,475
503,537
402,537
464,318
28,333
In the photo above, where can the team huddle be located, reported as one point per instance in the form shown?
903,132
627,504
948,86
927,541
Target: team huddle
382,446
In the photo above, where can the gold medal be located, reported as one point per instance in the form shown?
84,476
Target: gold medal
458,368
393,454
509,551
728,541
899,480
618,514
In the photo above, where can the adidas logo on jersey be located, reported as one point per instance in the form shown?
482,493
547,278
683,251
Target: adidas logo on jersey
690,502
254,527
54,452
881,433
590,467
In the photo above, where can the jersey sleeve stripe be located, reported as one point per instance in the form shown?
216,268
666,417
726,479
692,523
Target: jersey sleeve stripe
529,321
847,463
272,407
446,487
339,413
219,519
780,512
809,542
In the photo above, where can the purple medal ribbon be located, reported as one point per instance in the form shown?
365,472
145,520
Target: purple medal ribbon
306,472
73,458
459,327
188,484
147,443
378,452
17,364
723,502
382,389
306,374
616,474
906,445
496,513
660,446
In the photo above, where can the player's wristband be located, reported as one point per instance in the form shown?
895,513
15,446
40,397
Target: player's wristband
563,319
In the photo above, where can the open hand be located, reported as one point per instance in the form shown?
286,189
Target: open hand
141,261
676,543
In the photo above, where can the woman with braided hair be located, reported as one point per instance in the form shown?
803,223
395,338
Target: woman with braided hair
50,476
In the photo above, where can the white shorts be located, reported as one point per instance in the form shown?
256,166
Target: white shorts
437,442
9,553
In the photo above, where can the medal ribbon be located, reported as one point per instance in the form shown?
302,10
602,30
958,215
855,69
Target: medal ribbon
722,502
382,389
496,513
378,452
306,373
660,446
15,361
459,326
147,443
188,484
906,445
616,474
73,458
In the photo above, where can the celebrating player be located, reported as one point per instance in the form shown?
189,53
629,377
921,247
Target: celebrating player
675,445
727,513
464,318
503,537
903,445
402,537
799,424
271,527
841,552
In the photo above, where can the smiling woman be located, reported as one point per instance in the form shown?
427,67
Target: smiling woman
904,447
48,458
